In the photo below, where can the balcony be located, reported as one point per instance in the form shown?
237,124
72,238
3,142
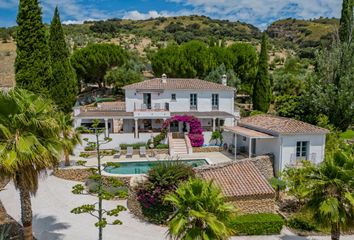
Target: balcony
152,110
215,107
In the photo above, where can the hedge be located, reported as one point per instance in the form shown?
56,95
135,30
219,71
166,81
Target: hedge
257,224
124,146
162,146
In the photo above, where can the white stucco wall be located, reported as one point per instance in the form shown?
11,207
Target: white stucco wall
316,146
181,104
283,147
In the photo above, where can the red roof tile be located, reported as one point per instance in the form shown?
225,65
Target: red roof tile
280,125
177,83
237,179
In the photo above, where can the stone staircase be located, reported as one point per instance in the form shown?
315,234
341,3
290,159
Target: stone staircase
178,146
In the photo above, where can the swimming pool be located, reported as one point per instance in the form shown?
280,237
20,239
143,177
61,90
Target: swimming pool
144,166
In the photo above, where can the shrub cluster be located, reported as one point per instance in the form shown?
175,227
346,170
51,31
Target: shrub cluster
301,224
162,146
257,224
111,186
124,146
162,179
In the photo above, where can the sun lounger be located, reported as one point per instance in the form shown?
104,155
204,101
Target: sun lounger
142,151
129,152
117,154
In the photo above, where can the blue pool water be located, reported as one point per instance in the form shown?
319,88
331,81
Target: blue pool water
144,166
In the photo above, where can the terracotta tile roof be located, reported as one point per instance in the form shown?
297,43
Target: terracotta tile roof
247,132
237,179
205,114
104,113
177,83
279,125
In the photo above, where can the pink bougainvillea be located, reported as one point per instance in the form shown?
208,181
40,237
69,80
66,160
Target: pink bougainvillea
195,128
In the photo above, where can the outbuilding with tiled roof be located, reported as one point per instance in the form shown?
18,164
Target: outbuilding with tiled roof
289,140
243,184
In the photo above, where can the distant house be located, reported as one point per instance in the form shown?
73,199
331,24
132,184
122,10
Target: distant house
289,140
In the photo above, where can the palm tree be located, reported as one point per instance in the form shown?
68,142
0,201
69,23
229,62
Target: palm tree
328,191
201,212
69,136
29,144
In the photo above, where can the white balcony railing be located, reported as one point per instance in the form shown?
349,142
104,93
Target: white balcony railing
152,107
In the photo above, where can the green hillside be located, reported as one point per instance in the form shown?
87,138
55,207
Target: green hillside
303,35
180,29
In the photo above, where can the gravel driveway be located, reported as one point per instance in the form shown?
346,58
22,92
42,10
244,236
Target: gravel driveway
53,220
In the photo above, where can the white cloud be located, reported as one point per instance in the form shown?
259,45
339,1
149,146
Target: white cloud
7,4
75,10
136,15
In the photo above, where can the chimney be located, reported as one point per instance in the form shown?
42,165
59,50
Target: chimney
224,80
164,78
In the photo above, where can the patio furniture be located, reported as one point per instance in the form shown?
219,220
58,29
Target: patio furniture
117,154
142,151
129,152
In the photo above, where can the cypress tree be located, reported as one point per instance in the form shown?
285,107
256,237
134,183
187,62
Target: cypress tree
64,86
32,65
261,88
346,20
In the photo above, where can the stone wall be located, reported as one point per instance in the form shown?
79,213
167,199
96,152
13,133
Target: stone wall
8,225
254,204
133,204
207,149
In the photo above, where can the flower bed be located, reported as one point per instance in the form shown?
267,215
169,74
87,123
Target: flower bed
81,175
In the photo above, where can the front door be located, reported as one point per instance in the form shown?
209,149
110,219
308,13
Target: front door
147,100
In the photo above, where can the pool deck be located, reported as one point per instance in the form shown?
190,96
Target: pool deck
210,157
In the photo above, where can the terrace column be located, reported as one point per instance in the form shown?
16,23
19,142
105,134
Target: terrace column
214,122
136,128
106,127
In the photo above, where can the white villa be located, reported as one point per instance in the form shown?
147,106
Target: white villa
149,103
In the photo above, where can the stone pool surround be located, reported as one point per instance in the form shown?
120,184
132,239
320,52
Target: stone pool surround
104,173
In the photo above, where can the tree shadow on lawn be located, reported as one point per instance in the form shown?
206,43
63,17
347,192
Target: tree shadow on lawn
45,228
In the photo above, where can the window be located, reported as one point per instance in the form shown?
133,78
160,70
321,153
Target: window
302,150
173,97
193,101
215,101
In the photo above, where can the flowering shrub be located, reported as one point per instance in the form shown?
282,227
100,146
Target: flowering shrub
162,179
152,204
197,140
195,128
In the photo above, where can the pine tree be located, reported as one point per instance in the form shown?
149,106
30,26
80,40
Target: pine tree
64,87
346,20
32,65
261,88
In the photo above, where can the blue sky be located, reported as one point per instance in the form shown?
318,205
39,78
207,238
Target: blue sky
257,12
